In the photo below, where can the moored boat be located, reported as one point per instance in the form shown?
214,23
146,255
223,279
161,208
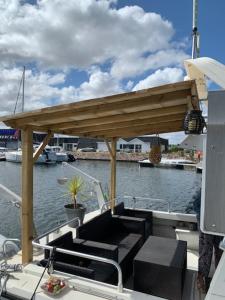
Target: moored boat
168,163
44,158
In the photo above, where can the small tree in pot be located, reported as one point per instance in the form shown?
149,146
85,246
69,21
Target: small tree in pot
75,209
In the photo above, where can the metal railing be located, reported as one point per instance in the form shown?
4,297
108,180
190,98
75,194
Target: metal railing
36,243
151,199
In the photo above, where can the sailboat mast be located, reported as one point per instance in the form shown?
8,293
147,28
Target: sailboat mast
23,87
195,34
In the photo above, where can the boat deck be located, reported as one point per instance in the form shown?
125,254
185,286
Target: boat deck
24,283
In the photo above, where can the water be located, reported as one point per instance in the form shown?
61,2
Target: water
175,186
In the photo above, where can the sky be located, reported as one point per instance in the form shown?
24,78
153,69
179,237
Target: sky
76,50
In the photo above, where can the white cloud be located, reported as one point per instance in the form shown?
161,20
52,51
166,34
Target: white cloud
133,65
78,33
160,77
41,88
100,84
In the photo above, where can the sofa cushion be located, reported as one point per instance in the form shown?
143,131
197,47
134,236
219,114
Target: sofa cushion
71,269
97,249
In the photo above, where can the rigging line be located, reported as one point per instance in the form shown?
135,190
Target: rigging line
18,94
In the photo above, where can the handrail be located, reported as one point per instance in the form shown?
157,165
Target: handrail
36,243
146,198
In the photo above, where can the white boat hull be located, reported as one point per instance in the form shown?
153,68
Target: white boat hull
16,156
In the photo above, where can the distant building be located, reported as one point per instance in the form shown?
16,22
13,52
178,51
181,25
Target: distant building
136,144
9,138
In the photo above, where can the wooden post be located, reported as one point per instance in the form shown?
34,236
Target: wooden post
27,195
113,174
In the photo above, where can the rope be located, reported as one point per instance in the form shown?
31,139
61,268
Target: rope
48,266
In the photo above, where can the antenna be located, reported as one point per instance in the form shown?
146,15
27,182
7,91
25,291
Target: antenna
195,34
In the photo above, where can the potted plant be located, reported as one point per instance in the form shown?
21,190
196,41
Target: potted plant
75,209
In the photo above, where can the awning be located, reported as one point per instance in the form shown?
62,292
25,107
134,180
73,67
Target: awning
156,110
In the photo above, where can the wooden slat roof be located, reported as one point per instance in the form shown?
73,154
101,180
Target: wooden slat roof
155,110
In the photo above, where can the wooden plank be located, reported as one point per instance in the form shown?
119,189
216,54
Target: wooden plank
42,146
160,112
113,174
27,195
128,124
143,130
130,127
184,85
108,109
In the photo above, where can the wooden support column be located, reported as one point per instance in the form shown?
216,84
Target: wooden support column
42,146
27,195
113,174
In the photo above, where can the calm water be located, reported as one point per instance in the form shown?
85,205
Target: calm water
175,186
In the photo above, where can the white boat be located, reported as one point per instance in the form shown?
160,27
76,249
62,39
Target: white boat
61,156
3,150
168,163
44,158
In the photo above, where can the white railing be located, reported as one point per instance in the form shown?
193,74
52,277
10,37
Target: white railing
36,243
134,198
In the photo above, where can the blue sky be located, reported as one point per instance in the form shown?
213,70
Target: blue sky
76,50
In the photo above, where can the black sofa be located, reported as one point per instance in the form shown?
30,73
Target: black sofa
119,209
115,237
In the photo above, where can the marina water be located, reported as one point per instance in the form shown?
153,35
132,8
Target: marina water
175,186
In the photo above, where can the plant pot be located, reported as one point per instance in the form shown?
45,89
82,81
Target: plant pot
72,213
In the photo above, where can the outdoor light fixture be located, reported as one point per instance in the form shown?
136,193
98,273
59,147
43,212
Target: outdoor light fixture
194,122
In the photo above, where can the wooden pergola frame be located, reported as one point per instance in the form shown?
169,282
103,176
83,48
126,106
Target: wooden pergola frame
152,111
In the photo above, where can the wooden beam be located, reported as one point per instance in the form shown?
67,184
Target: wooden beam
106,109
129,124
133,130
143,130
42,146
113,174
123,117
27,195
109,148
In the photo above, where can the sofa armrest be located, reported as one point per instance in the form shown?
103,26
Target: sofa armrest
97,249
131,224
70,268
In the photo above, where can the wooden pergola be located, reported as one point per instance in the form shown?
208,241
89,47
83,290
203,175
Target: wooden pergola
151,111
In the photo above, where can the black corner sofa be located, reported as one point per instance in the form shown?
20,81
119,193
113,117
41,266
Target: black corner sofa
117,237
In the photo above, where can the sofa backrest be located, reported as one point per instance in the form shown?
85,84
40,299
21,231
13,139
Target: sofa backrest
65,241
119,209
96,228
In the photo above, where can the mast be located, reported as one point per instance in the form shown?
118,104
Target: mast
23,89
195,33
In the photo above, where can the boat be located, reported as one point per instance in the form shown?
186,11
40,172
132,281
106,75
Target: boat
61,156
168,163
2,153
44,158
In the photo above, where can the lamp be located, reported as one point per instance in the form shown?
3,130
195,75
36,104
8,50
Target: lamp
194,122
